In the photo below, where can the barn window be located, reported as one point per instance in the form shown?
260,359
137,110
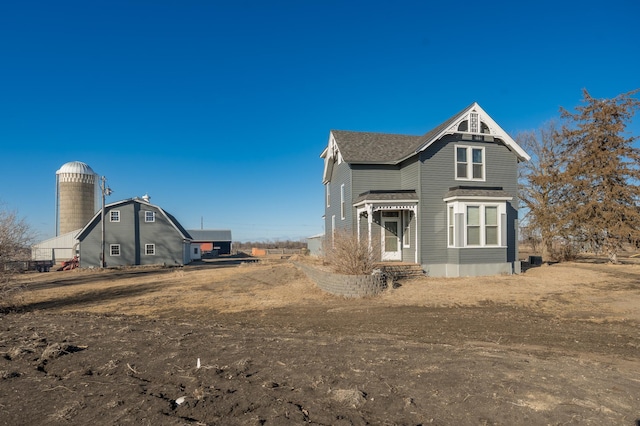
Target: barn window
114,249
149,216
150,249
115,215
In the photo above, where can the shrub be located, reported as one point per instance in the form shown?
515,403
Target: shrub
346,255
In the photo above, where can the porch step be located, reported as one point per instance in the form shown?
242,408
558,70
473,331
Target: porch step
399,271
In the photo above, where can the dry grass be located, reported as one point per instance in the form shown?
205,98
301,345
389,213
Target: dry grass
567,289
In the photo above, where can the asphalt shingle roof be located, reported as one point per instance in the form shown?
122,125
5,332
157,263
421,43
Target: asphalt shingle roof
380,148
384,148
210,234
401,194
476,192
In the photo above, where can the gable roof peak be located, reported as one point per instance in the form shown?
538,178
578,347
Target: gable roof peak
475,121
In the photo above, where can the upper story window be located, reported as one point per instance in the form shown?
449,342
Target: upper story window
149,216
469,163
114,215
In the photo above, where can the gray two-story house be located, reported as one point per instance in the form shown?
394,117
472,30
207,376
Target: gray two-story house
446,200
136,232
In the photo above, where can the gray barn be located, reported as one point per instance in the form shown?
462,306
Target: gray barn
136,232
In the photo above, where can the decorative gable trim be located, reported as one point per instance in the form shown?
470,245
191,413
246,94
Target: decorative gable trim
472,123
331,154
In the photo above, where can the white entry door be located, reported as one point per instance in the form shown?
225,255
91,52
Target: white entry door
391,247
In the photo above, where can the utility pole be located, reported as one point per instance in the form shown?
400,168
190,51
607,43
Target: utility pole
105,190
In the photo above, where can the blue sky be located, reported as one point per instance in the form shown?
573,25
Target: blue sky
219,110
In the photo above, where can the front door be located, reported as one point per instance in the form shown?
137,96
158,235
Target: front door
391,248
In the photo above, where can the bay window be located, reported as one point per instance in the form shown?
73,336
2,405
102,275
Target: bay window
475,224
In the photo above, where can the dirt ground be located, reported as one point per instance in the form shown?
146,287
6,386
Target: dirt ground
254,344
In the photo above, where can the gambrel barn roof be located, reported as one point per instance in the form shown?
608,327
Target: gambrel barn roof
170,218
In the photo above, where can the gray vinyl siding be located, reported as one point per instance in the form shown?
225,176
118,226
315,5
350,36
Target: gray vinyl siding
341,175
470,256
410,174
437,175
378,177
410,179
373,177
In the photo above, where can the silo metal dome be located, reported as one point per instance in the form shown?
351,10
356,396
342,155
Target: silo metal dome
76,167
76,200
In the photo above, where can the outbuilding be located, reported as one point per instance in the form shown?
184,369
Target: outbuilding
135,232
210,242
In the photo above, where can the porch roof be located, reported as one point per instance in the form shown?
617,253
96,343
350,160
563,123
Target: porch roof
383,196
458,192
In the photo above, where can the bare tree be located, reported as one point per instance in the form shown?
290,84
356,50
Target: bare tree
541,188
350,256
15,238
602,173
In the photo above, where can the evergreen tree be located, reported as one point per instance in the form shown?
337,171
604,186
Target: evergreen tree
602,173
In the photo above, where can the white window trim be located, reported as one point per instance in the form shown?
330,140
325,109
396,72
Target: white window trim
146,217
406,228
342,205
460,207
451,226
111,247
111,212
470,149
146,249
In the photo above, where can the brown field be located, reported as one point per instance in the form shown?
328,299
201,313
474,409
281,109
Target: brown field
556,345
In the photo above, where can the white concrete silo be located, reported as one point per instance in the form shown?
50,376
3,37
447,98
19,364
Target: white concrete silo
76,196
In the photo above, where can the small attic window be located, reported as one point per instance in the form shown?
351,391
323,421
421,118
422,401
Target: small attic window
474,121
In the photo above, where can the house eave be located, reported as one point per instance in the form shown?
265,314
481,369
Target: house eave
475,198
390,202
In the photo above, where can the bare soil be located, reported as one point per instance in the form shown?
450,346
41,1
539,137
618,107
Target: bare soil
254,344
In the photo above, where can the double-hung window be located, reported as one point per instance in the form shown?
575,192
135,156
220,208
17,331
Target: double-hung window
149,216
150,249
482,228
114,250
470,164
114,215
